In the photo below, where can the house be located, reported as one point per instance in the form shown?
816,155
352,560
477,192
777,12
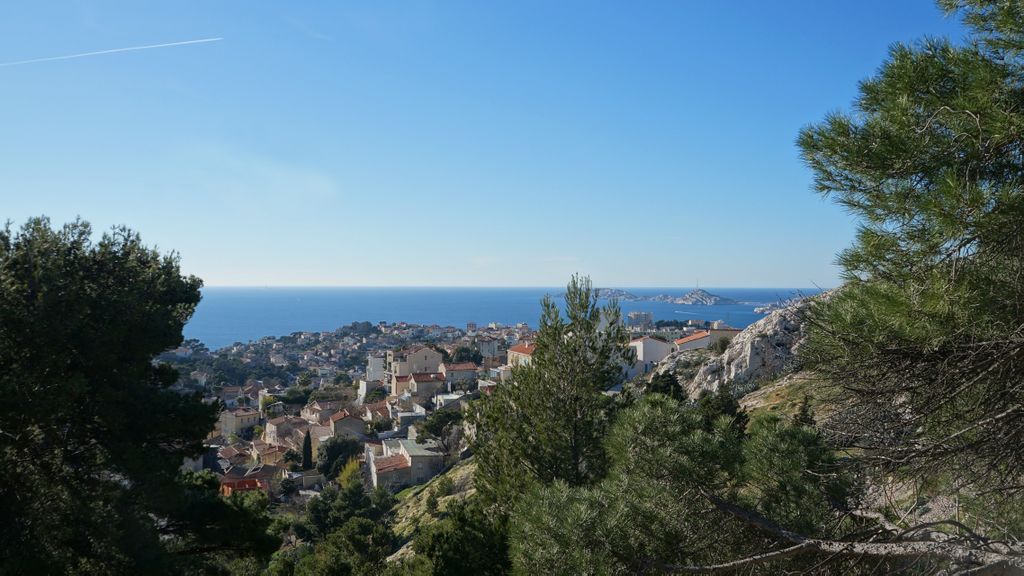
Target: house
268,454
234,455
409,360
267,473
486,386
699,339
487,346
459,374
375,365
719,330
319,411
423,385
229,395
376,412
451,401
229,487
649,351
344,424
399,462
237,420
280,428
365,387
638,320
403,416
521,354
304,479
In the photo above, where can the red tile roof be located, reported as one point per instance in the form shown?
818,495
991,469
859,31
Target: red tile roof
341,415
526,349
693,337
227,487
390,463
461,366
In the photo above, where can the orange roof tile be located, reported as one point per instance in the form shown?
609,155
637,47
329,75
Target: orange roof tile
526,349
693,337
390,463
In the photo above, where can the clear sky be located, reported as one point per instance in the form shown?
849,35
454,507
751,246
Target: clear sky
444,143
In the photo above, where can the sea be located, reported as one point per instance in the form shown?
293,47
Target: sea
227,315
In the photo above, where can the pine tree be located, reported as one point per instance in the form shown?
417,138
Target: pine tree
547,424
307,452
804,413
92,437
926,335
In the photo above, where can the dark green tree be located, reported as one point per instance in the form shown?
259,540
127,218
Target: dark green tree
711,405
548,423
307,452
91,438
467,354
333,454
666,383
804,413
467,541
925,337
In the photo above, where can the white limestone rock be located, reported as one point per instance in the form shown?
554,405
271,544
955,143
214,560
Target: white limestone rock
762,352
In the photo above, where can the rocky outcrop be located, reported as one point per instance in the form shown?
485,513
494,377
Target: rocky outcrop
698,296
762,352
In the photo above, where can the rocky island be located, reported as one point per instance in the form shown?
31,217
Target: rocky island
697,297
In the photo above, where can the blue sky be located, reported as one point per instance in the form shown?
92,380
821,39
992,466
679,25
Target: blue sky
445,143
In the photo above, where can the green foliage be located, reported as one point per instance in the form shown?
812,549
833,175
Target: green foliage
289,487
721,345
358,547
804,413
266,401
666,383
790,475
350,472
375,395
656,505
92,436
444,486
334,454
440,422
307,452
548,423
929,319
711,405
292,457
298,394
468,541
467,354
648,509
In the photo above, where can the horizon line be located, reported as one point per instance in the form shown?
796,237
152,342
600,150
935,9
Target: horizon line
415,286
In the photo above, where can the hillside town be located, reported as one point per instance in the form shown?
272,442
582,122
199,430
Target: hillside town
292,406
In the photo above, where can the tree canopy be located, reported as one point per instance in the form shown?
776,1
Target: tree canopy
548,422
91,436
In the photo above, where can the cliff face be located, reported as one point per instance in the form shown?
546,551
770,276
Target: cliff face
763,351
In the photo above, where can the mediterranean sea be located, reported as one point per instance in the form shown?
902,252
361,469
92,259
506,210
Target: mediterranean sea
232,314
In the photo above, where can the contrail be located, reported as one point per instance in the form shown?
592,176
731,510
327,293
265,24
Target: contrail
97,53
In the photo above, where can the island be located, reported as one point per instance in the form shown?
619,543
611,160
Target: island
694,297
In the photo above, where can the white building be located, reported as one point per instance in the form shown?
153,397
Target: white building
699,339
649,351
375,366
